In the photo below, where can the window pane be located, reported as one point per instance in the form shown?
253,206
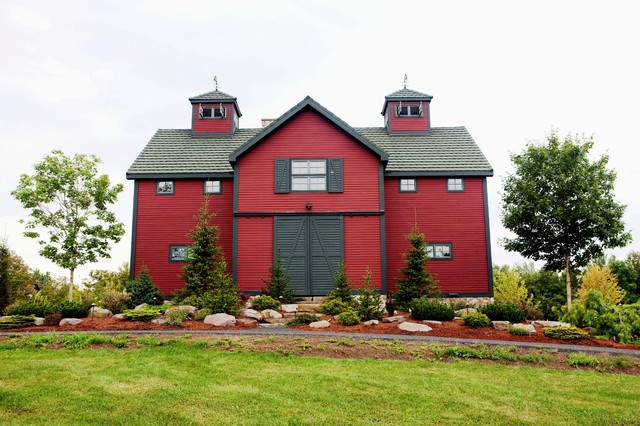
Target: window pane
165,187
299,167
407,184
317,167
217,112
206,112
415,110
212,187
317,183
299,184
455,185
403,110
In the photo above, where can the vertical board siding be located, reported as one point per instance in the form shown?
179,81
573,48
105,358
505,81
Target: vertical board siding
447,217
399,124
308,135
164,220
362,249
255,252
221,125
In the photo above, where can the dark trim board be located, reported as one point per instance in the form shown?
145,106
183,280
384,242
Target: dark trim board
347,213
156,176
488,235
132,258
450,174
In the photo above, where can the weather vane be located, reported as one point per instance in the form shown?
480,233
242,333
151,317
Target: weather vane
405,81
215,81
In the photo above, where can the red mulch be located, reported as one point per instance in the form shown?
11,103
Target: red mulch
453,329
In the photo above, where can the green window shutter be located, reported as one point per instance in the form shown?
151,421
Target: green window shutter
335,175
282,179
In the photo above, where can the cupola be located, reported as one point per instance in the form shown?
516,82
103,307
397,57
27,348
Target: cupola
214,114
407,112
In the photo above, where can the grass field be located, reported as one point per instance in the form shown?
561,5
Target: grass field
194,384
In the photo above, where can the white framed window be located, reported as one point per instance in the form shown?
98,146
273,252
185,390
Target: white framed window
409,110
211,112
408,185
308,175
439,251
164,187
178,253
455,185
212,187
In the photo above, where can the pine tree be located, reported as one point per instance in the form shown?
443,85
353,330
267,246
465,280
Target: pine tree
416,279
368,304
278,284
342,283
143,290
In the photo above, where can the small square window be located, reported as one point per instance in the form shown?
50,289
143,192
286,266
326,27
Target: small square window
439,251
408,185
164,187
455,185
211,112
178,253
308,175
409,110
212,187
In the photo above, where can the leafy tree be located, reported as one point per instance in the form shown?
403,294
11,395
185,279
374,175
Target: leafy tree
102,281
560,205
546,287
601,279
69,201
633,259
508,286
143,290
627,278
342,285
416,279
278,283
5,257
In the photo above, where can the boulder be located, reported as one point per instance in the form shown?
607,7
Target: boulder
292,307
119,317
320,324
39,321
501,325
251,313
141,306
100,312
371,322
220,320
267,325
246,322
276,320
551,324
158,321
432,322
270,313
413,327
70,321
465,311
398,318
530,328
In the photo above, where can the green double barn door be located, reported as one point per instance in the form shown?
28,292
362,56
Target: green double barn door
312,248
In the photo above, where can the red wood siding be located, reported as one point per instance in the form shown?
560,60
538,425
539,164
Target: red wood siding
212,125
255,252
362,249
399,124
308,135
444,217
164,220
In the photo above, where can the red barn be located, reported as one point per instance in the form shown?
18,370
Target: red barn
320,191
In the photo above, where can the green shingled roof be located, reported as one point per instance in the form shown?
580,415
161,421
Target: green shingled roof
443,151
405,95
216,95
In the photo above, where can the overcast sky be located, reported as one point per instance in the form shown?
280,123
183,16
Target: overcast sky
99,77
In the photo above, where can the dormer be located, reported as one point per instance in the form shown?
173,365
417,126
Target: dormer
214,114
407,112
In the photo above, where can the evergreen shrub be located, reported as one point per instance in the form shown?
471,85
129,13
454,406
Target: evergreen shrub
498,311
519,331
68,309
140,314
368,304
333,307
263,302
278,283
176,317
565,333
143,290
425,309
342,285
201,314
17,321
349,317
303,318
476,319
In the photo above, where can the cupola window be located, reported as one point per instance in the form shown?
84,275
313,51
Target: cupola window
212,112
409,110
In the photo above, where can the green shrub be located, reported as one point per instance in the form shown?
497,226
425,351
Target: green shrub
301,319
368,302
72,310
140,314
425,309
565,333
498,311
201,314
278,283
331,306
221,300
263,302
38,306
349,317
17,321
580,358
519,331
476,319
115,301
342,286
143,290
176,316
192,300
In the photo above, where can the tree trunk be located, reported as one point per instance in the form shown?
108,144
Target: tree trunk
71,271
566,261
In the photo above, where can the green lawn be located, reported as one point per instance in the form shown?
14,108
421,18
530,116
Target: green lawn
185,385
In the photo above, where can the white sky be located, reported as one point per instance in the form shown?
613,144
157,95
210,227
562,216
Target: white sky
99,77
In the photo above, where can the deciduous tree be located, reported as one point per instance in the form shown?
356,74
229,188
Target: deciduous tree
69,201
561,205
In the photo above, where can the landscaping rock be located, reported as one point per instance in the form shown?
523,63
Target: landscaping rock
246,322
398,318
501,325
371,322
413,327
530,328
465,311
100,313
251,313
268,325
320,324
292,307
270,313
118,317
39,321
432,322
70,321
158,321
308,307
551,324
290,315
141,306
275,320
220,320
191,309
